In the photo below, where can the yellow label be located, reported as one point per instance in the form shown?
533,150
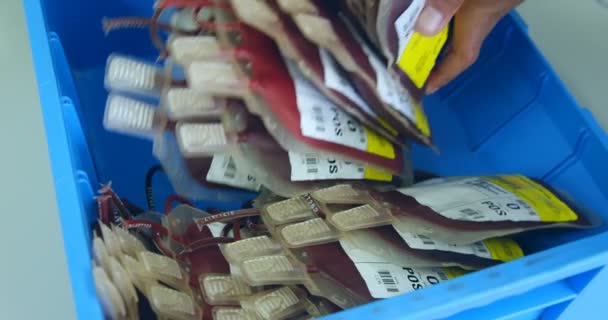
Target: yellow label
377,175
422,122
420,55
504,249
378,145
548,206
454,272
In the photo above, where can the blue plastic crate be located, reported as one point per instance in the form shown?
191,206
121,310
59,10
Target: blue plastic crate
509,113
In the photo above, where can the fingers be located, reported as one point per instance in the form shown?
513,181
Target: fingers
472,24
466,44
453,65
436,15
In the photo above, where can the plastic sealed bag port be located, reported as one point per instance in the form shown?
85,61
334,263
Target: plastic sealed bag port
133,117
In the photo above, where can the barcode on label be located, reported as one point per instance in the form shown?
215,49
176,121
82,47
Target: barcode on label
311,161
319,119
312,164
312,170
388,281
472,213
230,172
426,240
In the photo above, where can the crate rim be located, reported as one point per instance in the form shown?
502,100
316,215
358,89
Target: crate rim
79,261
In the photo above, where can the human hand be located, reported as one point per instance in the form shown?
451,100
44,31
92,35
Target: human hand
474,19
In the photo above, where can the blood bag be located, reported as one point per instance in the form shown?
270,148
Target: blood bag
262,261
275,85
316,64
398,102
455,211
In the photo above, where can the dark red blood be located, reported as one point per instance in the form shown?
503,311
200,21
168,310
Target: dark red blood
104,208
331,260
203,261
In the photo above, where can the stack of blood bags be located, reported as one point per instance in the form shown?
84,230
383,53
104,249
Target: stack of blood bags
250,94
313,103
148,265
314,254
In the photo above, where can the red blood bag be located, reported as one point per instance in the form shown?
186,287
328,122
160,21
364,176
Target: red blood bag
388,243
281,268
456,211
399,102
212,273
208,73
196,251
255,151
391,27
399,247
331,261
306,113
316,64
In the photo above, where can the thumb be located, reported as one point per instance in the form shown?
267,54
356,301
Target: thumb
436,15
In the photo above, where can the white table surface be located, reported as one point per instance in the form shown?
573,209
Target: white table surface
34,281
33,272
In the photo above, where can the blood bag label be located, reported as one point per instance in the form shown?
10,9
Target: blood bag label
321,119
501,249
390,89
385,279
405,24
502,198
309,166
224,171
420,56
336,80
417,53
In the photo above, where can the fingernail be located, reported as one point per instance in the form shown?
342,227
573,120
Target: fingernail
430,21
